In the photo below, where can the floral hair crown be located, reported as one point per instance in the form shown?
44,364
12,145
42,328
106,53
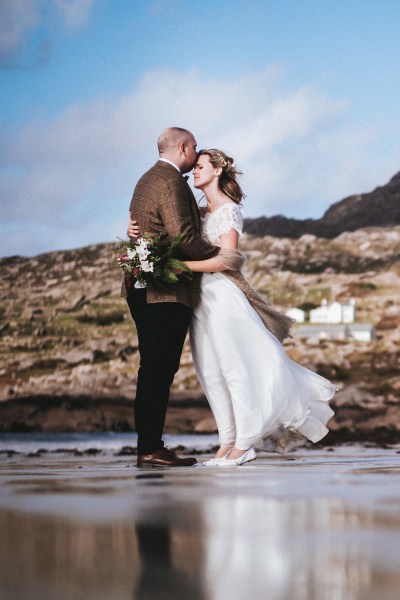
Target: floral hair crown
225,163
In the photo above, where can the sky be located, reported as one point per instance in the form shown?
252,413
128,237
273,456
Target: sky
304,94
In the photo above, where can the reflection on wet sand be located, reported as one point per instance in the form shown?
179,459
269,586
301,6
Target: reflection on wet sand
281,530
296,549
168,565
49,557
45,557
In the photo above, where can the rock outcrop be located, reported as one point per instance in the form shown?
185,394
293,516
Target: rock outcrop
69,352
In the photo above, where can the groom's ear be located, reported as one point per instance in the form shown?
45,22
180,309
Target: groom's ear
182,148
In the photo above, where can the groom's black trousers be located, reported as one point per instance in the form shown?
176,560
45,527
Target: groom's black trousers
161,329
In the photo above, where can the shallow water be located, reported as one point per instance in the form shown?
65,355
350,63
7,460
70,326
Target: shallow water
313,525
105,442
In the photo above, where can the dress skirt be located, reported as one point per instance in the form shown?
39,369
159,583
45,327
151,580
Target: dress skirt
258,395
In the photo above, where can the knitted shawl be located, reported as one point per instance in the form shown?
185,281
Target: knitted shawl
276,322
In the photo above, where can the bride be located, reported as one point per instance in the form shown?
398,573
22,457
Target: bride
260,398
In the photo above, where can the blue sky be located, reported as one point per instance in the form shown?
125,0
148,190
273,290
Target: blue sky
303,93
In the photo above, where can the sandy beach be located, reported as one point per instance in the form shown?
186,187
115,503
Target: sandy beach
317,524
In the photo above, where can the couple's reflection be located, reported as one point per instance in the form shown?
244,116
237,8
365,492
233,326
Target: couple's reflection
170,550
253,546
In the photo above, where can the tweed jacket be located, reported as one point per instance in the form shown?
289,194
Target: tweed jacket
163,201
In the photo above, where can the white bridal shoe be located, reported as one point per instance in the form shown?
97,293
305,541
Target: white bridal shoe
213,462
248,456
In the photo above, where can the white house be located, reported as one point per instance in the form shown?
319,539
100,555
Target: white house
335,312
297,314
361,332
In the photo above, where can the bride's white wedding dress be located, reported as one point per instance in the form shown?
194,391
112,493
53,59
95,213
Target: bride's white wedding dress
258,395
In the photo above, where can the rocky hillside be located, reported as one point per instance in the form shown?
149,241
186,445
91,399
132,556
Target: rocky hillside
380,208
69,350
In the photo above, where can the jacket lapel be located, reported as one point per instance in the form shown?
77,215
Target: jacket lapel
194,208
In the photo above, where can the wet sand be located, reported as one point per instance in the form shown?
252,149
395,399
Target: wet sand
313,525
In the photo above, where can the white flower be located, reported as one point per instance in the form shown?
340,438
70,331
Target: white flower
143,244
147,267
142,254
142,248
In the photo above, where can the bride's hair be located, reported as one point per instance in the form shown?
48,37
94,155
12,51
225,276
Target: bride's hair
227,181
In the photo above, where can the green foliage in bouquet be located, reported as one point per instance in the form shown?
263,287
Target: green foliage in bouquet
150,261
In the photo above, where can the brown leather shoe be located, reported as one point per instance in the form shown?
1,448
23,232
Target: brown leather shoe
164,458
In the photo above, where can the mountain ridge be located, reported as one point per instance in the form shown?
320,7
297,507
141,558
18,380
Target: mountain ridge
378,208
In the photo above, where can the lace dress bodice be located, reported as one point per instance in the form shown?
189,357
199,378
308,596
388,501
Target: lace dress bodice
226,217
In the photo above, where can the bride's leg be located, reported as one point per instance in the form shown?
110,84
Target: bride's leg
214,386
236,452
223,451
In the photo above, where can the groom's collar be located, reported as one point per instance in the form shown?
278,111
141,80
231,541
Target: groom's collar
170,163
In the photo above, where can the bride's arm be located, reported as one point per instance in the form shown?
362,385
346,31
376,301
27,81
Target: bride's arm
229,241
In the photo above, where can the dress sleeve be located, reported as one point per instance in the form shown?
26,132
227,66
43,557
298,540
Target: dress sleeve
229,217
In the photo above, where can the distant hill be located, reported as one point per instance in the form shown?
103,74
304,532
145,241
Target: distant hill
380,208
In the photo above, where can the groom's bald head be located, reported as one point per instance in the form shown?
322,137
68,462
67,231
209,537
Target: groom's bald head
171,138
179,146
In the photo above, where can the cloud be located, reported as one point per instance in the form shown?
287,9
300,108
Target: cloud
74,175
26,28
75,13
17,19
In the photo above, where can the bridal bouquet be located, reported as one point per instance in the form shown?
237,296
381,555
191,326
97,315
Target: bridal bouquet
149,261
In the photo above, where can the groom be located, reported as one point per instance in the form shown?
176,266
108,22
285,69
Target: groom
163,202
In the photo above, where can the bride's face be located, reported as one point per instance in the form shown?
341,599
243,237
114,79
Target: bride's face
203,172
